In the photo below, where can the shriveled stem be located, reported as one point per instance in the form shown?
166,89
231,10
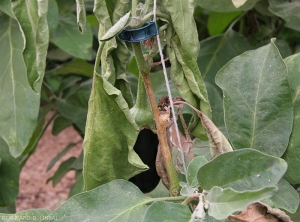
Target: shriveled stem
161,120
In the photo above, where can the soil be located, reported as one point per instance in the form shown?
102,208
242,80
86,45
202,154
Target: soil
33,190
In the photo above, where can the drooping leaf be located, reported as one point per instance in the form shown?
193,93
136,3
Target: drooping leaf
286,198
19,103
193,169
9,176
81,15
257,100
118,200
77,67
116,28
164,212
223,202
218,22
292,153
242,170
288,10
218,143
32,18
68,38
189,83
60,155
226,5
108,148
217,51
37,215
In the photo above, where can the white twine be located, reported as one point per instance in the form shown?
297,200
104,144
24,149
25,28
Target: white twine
169,93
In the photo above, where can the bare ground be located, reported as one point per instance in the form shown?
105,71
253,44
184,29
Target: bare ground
33,190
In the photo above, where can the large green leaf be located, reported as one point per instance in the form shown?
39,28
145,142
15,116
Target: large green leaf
225,5
19,103
116,201
286,197
166,212
257,100
36,215
293,152
217,51
108,148
9,176
288,10
68,38
242,170
223,202
32,18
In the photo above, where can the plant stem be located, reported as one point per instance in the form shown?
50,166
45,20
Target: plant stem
161,120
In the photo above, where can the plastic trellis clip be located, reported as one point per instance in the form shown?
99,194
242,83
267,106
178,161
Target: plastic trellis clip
148,30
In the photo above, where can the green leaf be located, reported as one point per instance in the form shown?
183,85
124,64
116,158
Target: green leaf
242,170
75,106
19,103
117,27
59,124
5,6
52,16
292,153
60,155
9,176
36,215
68,38
193,169
118,200
288,10
226,5
217,51
108,148
32,18
166,212
257,100
63,168
77,67
183,23
81,15
223,202
189,83
286,197
218,22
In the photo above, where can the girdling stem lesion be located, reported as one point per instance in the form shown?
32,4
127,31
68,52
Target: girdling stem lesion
161,121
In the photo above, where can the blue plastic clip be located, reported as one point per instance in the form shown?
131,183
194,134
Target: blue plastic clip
148,30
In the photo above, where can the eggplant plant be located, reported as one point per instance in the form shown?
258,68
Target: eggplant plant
171,131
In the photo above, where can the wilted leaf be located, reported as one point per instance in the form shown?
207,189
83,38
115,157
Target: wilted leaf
292,154
286,198
116,28
9,176
68,38
108,148
165,212
257,100
81,15
218,143
224,202
226,5
241,170
32,18
19,103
